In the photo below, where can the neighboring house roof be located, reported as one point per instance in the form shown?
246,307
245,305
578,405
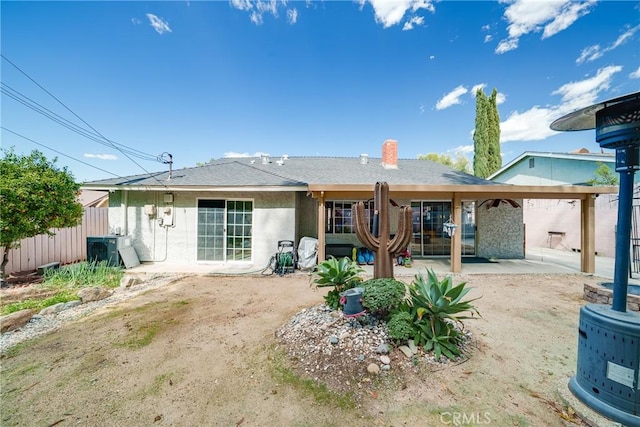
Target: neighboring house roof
578,155
296,172
94,199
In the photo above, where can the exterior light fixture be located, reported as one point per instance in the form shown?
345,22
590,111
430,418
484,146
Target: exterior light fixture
449,227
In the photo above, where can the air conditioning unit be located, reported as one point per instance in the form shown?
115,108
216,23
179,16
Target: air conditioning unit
105,248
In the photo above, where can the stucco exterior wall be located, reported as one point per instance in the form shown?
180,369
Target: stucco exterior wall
500,233
307,216
563,216
274,219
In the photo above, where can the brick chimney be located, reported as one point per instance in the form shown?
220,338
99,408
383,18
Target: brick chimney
390,154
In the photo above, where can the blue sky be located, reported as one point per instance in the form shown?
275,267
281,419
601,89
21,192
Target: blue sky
204,80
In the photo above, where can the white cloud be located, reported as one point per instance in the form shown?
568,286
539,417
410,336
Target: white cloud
463,149
257,9
432,57
533,124
101,156
136,21
486,29
292,16
245,154
477,87
582,93
569,15
241,4
635,74
256,18
533,16
589,54
414,20
390,13
594,52
270,6
506,45
622,39
452,98
158,24
500,98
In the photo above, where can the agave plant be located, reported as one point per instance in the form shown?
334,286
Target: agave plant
438,307
440,298
342,274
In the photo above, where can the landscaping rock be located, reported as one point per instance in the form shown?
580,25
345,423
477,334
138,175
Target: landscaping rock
383,349
15,320
406,350
71,304
52,309
373,368
93,294
385,360
412,347
129,281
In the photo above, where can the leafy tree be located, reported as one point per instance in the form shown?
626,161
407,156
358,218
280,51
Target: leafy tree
486,136
198,164
604,176
35,196
459,162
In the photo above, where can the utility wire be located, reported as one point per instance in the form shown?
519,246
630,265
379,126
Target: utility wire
18,97
59,152
81,119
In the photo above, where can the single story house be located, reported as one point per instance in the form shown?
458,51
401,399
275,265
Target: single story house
232,212
556,223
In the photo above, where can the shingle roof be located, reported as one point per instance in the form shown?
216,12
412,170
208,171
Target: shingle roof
300,171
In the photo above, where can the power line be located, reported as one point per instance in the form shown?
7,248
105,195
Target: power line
81,119
35,106
59,152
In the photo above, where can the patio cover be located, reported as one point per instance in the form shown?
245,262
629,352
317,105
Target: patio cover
457,193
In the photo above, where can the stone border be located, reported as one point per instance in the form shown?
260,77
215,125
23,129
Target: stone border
601,295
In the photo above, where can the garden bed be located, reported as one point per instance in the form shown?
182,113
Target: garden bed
599,293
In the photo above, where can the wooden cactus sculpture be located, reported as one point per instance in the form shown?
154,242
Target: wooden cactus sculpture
382,244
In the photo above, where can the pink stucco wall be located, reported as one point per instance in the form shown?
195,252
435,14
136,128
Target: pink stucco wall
563,216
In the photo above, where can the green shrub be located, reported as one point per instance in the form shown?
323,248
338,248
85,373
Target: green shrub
342,274
39,304
437,307
65,281
83,274
400,326
382,295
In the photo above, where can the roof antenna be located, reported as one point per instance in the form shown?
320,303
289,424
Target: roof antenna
169,161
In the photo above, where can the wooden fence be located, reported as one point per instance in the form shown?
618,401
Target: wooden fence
67,246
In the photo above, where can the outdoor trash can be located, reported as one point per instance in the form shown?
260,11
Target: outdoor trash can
352,301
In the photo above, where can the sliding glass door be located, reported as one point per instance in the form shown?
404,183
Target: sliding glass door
224,230
429,239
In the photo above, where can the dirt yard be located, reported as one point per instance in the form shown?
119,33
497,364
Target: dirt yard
203,351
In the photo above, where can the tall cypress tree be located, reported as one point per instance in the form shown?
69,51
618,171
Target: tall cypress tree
480,137
486,136
494,160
